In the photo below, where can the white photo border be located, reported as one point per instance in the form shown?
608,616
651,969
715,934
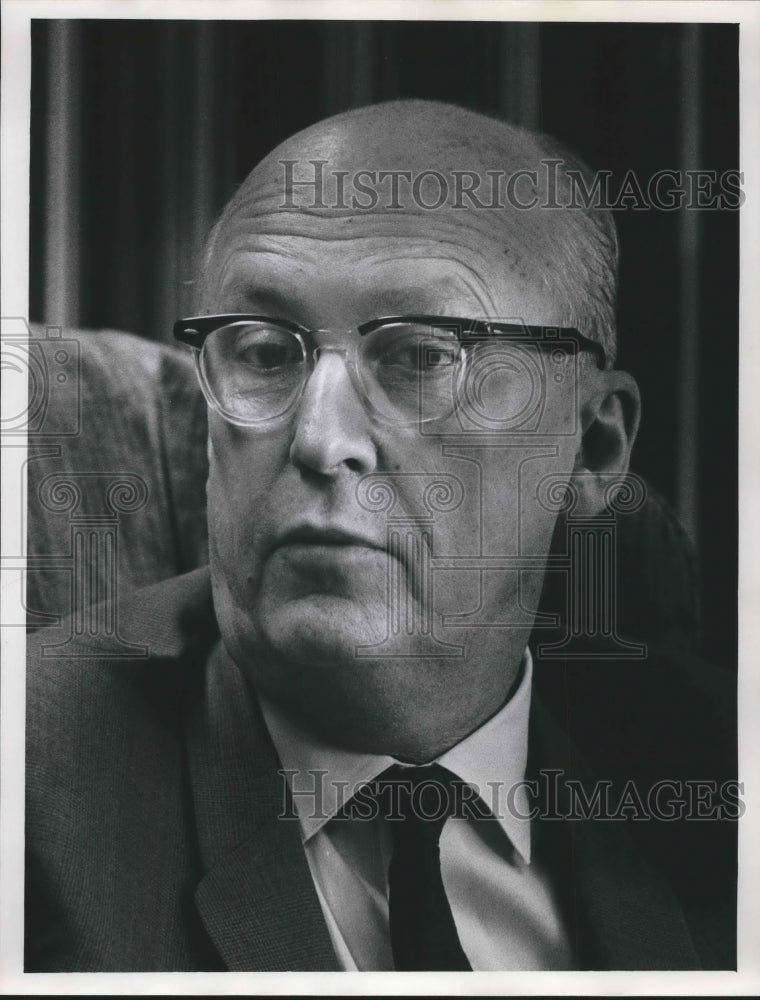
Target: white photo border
14,211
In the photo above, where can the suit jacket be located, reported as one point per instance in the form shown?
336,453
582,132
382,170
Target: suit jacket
152,835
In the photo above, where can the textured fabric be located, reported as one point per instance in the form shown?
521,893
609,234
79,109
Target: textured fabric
669,716
112,857
154,841
152,831
137,418
502,900
256,898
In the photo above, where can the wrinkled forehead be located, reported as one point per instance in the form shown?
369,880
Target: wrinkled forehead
381,263
337,200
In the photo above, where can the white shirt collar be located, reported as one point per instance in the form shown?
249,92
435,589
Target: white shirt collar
492,759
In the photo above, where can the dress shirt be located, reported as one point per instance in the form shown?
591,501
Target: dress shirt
505,911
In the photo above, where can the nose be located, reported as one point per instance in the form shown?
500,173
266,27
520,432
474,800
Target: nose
333,429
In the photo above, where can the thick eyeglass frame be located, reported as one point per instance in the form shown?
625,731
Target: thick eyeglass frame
195,330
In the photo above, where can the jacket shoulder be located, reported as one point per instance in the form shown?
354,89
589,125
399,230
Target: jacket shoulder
82,686
105,751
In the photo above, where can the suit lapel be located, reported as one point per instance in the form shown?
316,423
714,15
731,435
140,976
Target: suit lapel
256,898
621,914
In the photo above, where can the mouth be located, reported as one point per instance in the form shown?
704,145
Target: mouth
322,553
326,537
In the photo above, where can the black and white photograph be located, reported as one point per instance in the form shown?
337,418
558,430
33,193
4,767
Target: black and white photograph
371,453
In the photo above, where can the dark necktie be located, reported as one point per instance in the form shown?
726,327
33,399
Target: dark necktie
417,802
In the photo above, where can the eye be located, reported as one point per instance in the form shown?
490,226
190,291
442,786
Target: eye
264,348
435,354
266,354
414,350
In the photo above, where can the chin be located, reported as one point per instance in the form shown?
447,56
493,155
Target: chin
322,629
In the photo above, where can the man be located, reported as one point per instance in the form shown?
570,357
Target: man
400,379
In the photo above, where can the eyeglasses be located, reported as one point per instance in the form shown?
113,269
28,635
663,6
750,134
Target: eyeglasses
406,369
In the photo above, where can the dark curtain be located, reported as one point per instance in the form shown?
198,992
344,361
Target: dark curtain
142,129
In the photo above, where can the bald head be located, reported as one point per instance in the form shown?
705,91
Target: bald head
405,168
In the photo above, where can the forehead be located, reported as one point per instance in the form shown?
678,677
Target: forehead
446,262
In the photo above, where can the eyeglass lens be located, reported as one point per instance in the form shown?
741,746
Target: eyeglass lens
255,370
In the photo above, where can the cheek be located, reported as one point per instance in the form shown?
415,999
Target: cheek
544,495
243,463
242,471
520,483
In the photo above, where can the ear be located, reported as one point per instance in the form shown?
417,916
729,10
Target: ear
610,412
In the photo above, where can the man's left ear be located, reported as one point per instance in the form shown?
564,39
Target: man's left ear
610,414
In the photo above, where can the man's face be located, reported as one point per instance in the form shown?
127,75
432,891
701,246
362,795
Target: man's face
303,566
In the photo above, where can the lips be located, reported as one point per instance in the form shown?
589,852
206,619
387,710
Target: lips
324,538
328,535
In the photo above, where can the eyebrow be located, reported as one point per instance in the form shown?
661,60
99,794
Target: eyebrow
267,297
396,300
